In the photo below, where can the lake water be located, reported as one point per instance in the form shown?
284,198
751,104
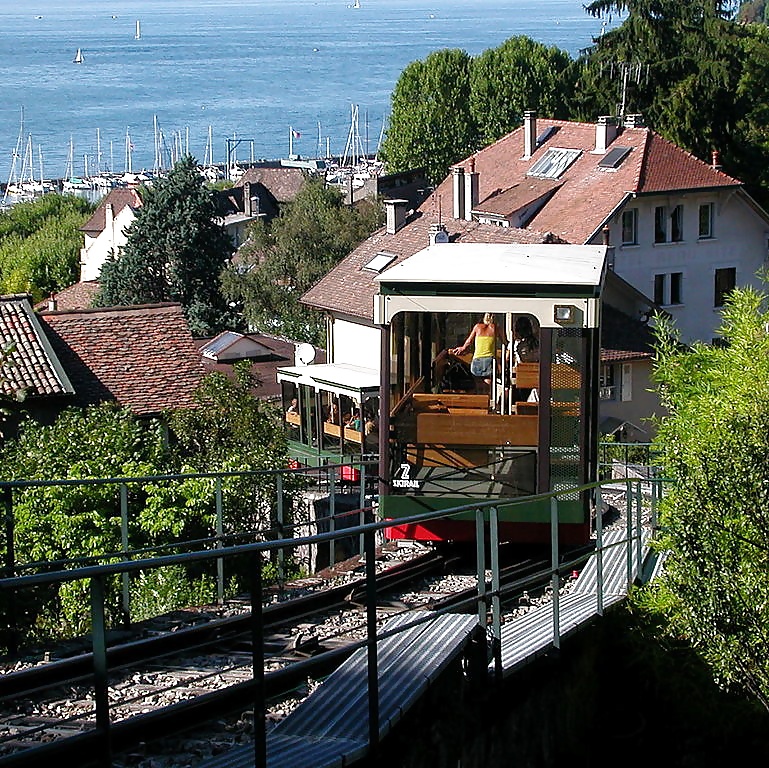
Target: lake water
235,69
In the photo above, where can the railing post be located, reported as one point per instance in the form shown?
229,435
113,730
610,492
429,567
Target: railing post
125,577
280,520
655,495
12,641
331,513
629,530
362,505
371,641
554,565
100,679
219,532
599,560
480,560
257,660
496,600
638,528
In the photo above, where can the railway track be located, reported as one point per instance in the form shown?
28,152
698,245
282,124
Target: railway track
164,684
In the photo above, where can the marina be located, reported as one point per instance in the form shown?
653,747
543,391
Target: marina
247,71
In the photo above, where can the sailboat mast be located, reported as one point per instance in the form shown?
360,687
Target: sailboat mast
16,154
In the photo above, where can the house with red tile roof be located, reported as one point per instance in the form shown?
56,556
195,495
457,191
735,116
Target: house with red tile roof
105,232
143,357
684,232
31,369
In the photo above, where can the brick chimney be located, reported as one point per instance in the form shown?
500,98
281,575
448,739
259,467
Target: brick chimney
396,214
529,133
457,176
634,121
471,189
605,133
716,160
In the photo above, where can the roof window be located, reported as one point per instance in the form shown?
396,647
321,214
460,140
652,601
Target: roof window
380,261
554,162
614,157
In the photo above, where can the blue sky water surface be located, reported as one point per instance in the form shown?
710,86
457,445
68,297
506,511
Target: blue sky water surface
247,69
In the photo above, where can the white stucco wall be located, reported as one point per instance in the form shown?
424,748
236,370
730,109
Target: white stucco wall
355,344
740,236
110,239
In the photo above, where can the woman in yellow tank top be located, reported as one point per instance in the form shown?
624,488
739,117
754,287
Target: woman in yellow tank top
485,335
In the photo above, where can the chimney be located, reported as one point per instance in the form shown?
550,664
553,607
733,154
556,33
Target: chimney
605,133
109,218
247,198
471,189
529,133
396,214
716,160
634,121
459,191
52,303
438,234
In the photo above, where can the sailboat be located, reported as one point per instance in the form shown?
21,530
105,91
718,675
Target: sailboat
138,35
78,57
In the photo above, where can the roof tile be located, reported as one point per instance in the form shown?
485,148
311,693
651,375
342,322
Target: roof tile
143,357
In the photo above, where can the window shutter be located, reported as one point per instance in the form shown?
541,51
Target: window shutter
627,382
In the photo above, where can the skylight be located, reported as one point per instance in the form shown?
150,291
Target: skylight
614,157
219,343
554,162
380,261
546,134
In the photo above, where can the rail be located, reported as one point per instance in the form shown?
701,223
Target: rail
488,598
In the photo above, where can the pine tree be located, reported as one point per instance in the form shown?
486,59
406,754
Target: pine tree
175,252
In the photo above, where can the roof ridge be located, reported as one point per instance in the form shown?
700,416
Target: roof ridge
119,307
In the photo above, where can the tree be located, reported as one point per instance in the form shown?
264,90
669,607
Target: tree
175,252
431,123
234,430
697,76
278,264
40,244
520,74
715,517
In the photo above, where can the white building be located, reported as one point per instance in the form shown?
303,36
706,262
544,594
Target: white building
105,231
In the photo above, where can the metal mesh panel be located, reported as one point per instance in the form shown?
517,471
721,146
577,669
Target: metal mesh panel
566,383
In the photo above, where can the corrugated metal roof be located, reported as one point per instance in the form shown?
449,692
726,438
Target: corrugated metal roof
484,263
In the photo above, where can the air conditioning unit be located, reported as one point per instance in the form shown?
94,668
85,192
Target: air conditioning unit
606,393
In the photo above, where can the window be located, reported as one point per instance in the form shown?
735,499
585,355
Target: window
667,288
554,162
380,261
659,289
677,224
630,227
614,157
725,280
706,221
675,287
607,383
660,224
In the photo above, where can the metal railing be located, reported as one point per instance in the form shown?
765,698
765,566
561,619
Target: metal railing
285,517
488,599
